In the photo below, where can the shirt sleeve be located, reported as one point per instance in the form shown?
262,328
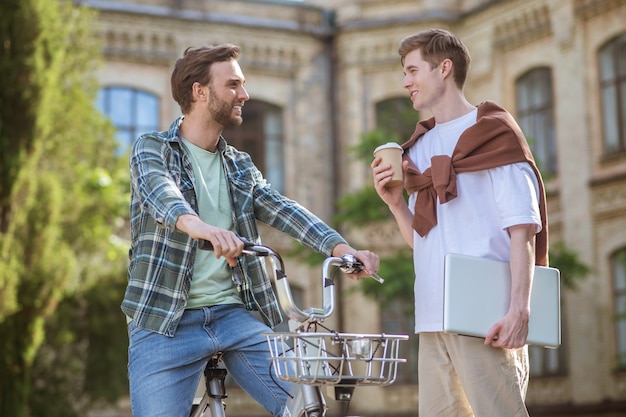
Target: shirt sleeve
516,192
160,191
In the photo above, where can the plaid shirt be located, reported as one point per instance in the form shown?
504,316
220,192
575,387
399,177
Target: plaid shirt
162,257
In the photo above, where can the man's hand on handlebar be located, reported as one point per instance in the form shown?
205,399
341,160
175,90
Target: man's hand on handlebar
224,242
370,260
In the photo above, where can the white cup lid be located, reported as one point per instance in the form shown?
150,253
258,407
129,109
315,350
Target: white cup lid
387,146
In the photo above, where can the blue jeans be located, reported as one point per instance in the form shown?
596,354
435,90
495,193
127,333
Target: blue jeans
164,372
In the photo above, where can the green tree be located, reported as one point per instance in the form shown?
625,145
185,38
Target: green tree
59,196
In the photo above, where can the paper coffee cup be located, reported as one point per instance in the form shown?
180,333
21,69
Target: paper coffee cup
391,153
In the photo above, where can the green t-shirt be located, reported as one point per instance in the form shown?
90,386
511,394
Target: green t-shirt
211,283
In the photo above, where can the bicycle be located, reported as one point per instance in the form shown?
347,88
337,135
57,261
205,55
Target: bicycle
306,357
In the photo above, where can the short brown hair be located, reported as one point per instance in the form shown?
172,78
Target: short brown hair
195,66
437,45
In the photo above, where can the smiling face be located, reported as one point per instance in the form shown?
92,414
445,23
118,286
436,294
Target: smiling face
226,93
425,84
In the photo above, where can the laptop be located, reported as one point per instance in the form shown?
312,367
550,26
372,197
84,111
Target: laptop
477,293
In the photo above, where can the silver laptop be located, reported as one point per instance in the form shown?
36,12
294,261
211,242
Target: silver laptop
477,293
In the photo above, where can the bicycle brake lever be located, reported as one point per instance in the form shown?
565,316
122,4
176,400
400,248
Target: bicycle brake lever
378,278
353,265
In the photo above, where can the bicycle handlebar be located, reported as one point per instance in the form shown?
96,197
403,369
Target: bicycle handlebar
347,263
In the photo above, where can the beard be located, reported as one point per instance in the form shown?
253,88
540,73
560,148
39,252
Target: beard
222,111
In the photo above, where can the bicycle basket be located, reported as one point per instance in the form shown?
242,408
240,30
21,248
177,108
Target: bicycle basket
335,358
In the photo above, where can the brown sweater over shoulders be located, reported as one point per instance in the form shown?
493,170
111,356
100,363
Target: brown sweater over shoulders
494,140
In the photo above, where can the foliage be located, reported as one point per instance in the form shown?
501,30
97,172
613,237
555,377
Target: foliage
567,262
83,361
396,117
398,287
369,141
22,88
60,185
361,207
364,206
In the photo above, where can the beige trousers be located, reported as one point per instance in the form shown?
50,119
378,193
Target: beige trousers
461,377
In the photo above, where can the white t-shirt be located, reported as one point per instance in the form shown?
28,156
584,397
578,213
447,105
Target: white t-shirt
474,223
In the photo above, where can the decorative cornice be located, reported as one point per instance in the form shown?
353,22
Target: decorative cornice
408,19
523,29
140,47
304,19
132,40
591,8
609,199
261,55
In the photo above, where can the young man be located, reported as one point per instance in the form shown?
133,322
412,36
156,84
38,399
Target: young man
473,189
184,304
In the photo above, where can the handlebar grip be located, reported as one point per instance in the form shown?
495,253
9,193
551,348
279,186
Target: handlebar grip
204,244
207,245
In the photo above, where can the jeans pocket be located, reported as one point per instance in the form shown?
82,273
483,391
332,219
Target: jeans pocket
133,328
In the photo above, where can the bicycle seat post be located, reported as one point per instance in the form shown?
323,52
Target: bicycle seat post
215,385
215,379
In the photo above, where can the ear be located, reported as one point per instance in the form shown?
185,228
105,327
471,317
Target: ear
199,91
446,68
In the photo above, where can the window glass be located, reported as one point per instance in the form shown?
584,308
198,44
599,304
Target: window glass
262,136
131,111
121,102
535,115
607,69
147,109
274,155
612,69
611,129
618,269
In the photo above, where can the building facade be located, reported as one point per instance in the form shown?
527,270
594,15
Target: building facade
319,72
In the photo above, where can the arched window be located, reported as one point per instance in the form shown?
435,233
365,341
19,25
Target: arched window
261,135
612,68
535,115
131,111
618,271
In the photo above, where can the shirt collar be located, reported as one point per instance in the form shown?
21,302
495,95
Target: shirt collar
173,134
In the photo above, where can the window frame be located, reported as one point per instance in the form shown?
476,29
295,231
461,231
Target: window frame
536,117
128,131
619,303
612,77
267,152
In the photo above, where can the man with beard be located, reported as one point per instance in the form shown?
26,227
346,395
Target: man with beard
184,304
